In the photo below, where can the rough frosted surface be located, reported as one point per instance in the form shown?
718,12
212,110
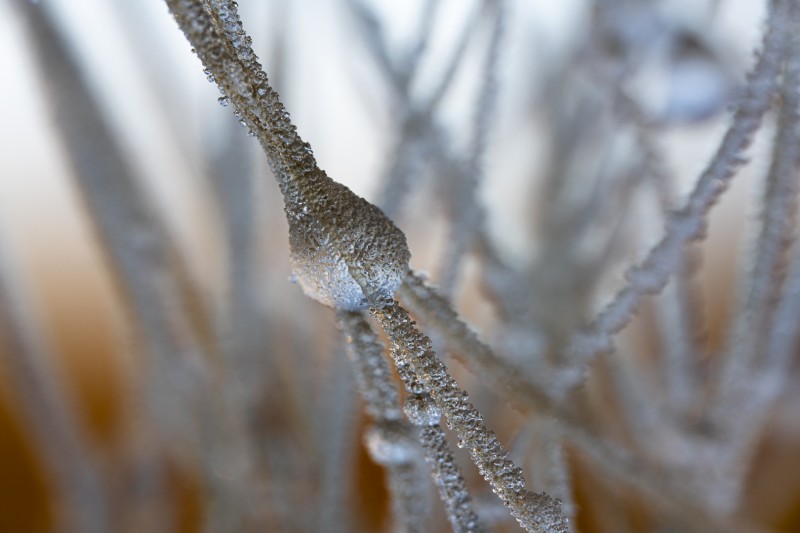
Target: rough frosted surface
423,411
390,441
412,352
340,242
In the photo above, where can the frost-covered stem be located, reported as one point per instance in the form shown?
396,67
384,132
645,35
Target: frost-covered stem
456,59
412,351
752,374
505,379
678,312
214,29
749,334
679,306
406,166
233,182
335,236
486,104
688,223
422,411
466,211
550,467
784,330
410,507
783,335
390,438
371,369
380,394
82,502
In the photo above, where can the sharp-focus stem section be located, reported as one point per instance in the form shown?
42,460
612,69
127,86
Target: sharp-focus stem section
345,251
215,31
659,486
502,375
748,382
382,402
412,351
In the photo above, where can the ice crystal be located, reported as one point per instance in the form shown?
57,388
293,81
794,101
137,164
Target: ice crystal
349,256
534,512
341,245
217,403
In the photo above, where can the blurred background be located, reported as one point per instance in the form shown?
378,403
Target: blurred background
267,421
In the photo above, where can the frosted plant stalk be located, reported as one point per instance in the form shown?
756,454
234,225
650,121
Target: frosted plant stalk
749,372
339,241
375,384
337,437
390,438
551,467
749,333
422,411
662,487
334,263
412,352
467,214
688,223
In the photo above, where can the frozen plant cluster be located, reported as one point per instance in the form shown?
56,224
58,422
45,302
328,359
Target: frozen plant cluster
265,432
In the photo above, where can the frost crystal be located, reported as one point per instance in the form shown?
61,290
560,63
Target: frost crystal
391,443
421,410
339,241
412,349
